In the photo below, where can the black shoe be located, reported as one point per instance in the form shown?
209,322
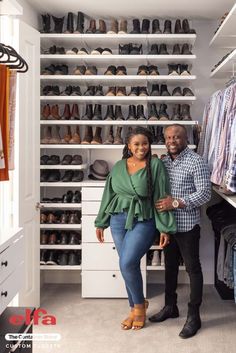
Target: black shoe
74,258
54,176
78,176
154,49
67,177
58,24
70,23
63,258
44,159
52,258
145,26
169,311
76,197
80,23
46,19
53,160
124,49
191,326
156,27
136,26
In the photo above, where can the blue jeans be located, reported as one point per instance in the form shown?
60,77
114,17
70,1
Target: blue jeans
131,246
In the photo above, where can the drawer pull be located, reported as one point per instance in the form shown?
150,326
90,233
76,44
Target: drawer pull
114,248
114,276
4,294
4,263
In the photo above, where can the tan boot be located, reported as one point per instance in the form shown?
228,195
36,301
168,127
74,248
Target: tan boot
88,135
102,27
109,138
118,139
54,113
114,27
46,134
67,137
97,138
92,27
121,91
45,112
123,27
76,136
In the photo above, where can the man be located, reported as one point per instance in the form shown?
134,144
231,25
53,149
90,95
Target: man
190,188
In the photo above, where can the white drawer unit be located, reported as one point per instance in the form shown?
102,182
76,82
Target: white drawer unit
90,207
105,284
92,194
89,231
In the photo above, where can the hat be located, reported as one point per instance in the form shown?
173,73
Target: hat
98,170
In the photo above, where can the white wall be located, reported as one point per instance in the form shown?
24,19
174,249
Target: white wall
30,15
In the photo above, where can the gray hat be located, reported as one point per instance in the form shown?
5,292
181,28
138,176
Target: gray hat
98,170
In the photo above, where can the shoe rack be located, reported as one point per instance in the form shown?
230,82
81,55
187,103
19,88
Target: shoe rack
131,62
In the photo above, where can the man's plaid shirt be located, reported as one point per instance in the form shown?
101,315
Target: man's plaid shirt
190,182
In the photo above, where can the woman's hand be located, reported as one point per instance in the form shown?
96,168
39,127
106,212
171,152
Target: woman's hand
164,240
100,234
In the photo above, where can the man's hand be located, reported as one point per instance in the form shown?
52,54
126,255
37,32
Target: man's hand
100,234
164,240
164,204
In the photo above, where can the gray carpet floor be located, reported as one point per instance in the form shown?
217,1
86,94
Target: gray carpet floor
93,325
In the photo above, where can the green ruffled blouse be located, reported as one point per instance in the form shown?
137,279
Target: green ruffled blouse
124,192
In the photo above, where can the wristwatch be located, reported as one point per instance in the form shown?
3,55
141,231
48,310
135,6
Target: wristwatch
175,203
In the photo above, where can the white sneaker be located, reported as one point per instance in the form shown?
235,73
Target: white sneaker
156,258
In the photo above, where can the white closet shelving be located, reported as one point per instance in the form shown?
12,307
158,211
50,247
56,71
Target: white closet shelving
226,68
229,198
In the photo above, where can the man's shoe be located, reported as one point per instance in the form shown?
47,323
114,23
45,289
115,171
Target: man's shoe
136,26
191,326
168,312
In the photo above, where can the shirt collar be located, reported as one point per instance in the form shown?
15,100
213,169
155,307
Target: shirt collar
180,156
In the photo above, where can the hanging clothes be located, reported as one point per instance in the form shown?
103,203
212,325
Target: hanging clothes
12,113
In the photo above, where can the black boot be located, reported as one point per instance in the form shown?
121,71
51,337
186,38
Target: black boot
97,112
183,70
118,113
167,27
156,27
192,324
152,112
164,91
70,23
176,112
178,27
186,50
154,50
80,23
173,69
110,113
169,311
58,22
176,50
185,112
177,91
89,112
136,26
132,113
145,26
140,112
160,136
155,90
46,23
163,50
186,27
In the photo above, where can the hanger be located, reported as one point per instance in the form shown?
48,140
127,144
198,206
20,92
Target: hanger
14,61
232,80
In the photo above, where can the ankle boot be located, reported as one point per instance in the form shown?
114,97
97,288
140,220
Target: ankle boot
80,23
46,135
66,114
176,112
134,91
123,27
176,50
46,23
102,27
145,26
163,113
111,70
154,50
121,91
143,91
118,113
186,27
89,112
156,27
97,138
110,113
97,115
56,138
68,136
159,136
58,24
186,50
118,139
164,91
70,23
45,112
183,70
90,91
152,112
153,70
173,69
185,112
167,27
163,49
178,28
192,324
114,27
187,92
136,26
155,90
111,91
75,112
177,91
92,27
140,112
109,138
121,70
132,113
99,91
54,113
88,135
76,136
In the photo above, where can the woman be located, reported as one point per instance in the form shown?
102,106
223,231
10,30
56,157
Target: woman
127,206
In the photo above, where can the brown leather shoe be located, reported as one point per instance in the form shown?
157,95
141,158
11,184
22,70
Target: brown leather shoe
67,137
43,218
114,27
88,135
111,91
75,112
45,112
123,27
52,218
76,136
43,238
54,113
52,240
66,114
121,91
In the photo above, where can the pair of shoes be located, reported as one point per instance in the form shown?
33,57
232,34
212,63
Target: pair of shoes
116,91
162,92
148,70
178,69
46,24
138,29
63,238
112,70
136,114
54,50
137,317
181,112
158,258
101,51
71,91
94,91
55,70
185,28
73,176
49,160
92,27
130,49
72,160
83,70
72,197
51,90
91,114
72,114
138,91
114,27
50,113
153,114
161,50
111,115
53,257
186,92
51,175
109,136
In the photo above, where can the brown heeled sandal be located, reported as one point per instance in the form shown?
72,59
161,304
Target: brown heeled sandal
140,311
128,323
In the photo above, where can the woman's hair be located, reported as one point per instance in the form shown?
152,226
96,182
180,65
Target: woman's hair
126,153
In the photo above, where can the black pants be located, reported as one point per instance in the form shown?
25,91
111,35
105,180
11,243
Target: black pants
186,243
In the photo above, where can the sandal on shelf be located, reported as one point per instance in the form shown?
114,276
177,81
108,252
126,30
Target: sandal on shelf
128,323
140,311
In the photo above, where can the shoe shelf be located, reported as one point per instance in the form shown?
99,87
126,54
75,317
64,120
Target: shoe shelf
113,123
135,60
73,184
225,37
60,226
69,206
61,247
118,99
60,267
155,247
161,268
110,80
59,166
73,39
229,198
99,146
225,69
